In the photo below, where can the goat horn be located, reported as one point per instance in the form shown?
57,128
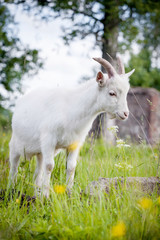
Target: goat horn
121,69
109,68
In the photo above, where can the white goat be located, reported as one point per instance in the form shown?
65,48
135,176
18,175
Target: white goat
47,120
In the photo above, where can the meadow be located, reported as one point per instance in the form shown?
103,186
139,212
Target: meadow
123,214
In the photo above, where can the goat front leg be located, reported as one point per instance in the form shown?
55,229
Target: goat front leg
71,165
38,173
47,165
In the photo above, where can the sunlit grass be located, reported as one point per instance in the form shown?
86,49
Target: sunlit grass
121,215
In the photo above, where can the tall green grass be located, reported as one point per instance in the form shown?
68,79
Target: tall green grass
79,216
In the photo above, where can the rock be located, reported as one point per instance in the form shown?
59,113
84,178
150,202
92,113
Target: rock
144,184
143,121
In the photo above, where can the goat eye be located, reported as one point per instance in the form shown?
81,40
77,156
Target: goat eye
112,93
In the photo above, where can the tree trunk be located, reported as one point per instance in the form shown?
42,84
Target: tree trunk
109,50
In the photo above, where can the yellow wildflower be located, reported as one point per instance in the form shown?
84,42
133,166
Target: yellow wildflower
72,146
158,200
145,203
17,200
4,134
60,189
119,230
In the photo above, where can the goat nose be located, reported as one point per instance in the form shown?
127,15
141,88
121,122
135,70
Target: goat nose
126,114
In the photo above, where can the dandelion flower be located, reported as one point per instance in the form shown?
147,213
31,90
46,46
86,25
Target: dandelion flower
145,203
60,189
17,200
119,230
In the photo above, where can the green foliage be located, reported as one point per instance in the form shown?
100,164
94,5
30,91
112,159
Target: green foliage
16,60
139,23
78,216
133,21
5,119
145,75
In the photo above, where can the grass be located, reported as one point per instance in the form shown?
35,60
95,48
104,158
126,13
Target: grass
123,215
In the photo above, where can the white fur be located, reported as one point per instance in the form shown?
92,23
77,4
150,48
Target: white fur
46,120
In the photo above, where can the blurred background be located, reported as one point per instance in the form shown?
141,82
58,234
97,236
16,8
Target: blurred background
52,42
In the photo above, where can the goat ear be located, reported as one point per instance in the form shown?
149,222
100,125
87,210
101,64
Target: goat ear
130,73
100,79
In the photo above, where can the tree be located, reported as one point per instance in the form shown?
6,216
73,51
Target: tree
145,75
115,24
15,60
